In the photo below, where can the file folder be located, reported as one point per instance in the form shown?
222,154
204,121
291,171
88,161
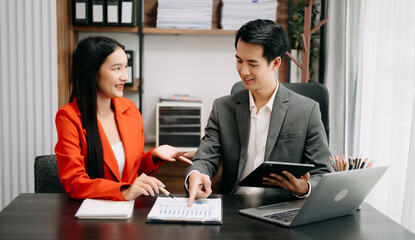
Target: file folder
113,12
128,13
130,68
80,12
98,12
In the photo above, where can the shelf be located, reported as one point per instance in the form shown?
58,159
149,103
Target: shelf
152,30
106,29
134,87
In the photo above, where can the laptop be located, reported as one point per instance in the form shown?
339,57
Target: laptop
337,194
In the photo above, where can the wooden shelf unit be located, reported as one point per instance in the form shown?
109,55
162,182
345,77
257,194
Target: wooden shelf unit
153,30
106,29
68,35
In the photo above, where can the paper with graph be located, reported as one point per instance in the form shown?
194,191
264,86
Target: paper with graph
206,211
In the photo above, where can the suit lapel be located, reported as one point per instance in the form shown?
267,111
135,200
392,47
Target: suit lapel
127,133
109,157
243,121
279,109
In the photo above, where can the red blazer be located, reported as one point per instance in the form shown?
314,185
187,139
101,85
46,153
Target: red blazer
71,152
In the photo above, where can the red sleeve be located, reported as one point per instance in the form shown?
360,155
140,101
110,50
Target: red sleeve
148,166
71,141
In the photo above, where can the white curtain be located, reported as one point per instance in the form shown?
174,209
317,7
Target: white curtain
28,91
378,113
386,93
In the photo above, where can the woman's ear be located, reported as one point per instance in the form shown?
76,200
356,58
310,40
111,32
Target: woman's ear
276,63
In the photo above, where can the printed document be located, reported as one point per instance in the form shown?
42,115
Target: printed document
206,211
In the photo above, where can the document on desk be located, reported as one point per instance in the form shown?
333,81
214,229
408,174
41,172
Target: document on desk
204,211
105,209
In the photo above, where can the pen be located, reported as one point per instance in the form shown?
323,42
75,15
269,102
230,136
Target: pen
166,192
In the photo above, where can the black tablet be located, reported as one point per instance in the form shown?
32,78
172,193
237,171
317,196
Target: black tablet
254,179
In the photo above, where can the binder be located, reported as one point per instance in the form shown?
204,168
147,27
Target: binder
98,12
130,68
113,12
81,14
128,16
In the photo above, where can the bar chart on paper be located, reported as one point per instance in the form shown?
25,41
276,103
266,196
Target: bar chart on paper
205,211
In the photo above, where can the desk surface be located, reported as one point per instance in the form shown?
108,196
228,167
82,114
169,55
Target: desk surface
51,216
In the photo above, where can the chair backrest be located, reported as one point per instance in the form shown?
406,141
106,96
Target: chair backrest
47,175
316,91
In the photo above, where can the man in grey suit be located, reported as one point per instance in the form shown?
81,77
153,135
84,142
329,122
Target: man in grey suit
264,122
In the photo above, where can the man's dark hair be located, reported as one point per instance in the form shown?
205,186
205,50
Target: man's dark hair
266,33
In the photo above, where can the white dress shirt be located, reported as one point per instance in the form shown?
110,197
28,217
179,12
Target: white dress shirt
118,150
257,140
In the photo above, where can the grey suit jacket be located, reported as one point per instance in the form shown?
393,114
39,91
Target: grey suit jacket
296,134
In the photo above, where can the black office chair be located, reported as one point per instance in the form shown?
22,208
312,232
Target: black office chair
316,91
47,175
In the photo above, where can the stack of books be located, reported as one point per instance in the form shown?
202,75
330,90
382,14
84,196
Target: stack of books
184,14
236,13
180,98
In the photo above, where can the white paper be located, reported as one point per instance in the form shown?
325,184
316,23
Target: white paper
203,210
184,14
97,13
127,12
112,16
105,209
130,74
80,11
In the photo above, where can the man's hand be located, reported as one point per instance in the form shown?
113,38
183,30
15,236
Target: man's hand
298,186
143,185
171,154
199,187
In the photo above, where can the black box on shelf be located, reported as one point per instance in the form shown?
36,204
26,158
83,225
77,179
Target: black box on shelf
130,68
179,124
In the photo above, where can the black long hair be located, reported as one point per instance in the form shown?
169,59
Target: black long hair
87,60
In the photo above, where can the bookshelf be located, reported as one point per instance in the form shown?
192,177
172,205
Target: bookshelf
67,36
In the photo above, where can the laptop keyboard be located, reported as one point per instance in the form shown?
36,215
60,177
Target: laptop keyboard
287,216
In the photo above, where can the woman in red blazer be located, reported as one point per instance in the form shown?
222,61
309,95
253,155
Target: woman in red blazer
100,133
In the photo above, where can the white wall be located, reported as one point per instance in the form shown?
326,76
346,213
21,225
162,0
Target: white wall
28,88
186,64
199,65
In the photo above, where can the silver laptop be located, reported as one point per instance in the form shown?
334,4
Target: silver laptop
337,194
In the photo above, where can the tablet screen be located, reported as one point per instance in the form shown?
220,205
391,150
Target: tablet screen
254,179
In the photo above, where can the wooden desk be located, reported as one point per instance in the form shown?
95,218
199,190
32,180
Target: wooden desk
51,216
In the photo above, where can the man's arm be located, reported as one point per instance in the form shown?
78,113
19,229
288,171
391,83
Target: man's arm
316,149
208,156
206,161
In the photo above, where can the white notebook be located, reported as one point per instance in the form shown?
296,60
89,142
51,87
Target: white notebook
205,211
105,209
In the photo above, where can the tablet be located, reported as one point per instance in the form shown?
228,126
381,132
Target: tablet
254,179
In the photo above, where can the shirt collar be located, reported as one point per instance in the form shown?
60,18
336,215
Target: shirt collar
270,102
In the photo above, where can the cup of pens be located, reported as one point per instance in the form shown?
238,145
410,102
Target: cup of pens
352,163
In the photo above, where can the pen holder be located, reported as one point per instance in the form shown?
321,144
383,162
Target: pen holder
352,163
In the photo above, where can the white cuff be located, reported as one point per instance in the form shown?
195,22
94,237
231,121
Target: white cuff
305,195
186,185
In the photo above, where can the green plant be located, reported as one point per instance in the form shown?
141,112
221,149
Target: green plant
296,25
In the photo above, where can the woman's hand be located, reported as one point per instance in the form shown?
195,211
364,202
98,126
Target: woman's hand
143,185
171,154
